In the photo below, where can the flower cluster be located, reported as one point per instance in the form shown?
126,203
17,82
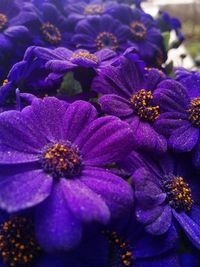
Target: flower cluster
99,146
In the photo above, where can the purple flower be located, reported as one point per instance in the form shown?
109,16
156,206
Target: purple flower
14,34
29,77
51,28
98,32
19,247
61,60
190,258
125,243
85,9
129,95
53,158
167,194
180,120
145,36
167,23
189,79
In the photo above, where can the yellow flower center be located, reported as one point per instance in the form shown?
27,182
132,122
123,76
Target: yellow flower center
142,105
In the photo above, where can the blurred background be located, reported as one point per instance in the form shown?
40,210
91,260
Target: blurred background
188,11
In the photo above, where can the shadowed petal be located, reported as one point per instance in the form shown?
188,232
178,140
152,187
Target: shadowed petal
162,223
191,228
147,189
148,245
184,138
169,259
170,121
56,227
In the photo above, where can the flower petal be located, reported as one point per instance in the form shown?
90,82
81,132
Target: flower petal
56,227
147,189
184,138
169,259
47,116
84,203
170,121
146,138
79,114
100,142
190,227
196,155
20,191
171,96
115,105
147,245
162,223
116,192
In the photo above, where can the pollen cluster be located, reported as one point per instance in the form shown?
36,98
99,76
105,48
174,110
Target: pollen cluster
5,82
179,194
94,9
86,55
106,40
51,33
194,112
18,246
61,160
3,21
138,30
141,103
120,252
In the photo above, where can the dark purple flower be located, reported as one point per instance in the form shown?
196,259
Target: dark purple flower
145,36
53,158
29,78
191,258
167,194
180,120
125,243
98,32
51,28
129,95
14,34
19,246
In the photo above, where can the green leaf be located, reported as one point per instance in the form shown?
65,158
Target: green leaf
169,69
166,36
70,86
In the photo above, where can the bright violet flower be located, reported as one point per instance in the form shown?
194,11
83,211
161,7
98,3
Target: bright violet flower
54,158
98,32
61,60
129,95
167,194
180,121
